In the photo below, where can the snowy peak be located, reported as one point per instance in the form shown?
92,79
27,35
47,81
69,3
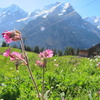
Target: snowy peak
57,4
59,8
9,17
14,8
12,13
94,20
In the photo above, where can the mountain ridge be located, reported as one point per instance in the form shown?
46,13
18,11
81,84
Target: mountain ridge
94,20
61,26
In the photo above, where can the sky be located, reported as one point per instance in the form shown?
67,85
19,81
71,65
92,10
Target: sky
83,7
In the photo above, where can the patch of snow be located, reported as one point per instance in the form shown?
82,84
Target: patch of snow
47,10
53,8
93,20
96,20
63,10
23,19
66,5
41,13
98,27
60,14
45,16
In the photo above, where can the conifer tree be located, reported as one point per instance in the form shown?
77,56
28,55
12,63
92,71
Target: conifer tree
15,46
59,53
36,49
54,52
4,44
42,49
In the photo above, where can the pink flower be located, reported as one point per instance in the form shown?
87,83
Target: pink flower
7,53
40,63
10,36
98,92
6,36
46,54
16,56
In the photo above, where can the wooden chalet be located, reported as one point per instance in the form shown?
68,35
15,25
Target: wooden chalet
93,51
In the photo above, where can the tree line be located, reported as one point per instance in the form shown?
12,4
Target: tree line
36,49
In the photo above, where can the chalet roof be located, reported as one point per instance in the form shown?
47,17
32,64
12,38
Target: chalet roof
82,50
97,45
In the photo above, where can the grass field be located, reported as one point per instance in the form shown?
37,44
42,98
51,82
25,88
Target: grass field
71,77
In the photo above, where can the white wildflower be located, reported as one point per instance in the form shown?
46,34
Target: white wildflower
2,84
55,60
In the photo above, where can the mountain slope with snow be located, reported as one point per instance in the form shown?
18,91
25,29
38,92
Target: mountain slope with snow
58,8
55,26
94,20
9,17
62,27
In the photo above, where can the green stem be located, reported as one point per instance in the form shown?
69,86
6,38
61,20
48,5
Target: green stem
33,80
43,83
29,69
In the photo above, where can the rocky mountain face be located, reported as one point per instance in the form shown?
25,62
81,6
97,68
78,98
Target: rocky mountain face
61,27
56,26
94,20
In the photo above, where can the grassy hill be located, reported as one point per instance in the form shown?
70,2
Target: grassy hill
71,77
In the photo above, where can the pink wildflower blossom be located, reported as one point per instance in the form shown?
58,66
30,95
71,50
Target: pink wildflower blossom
6,36
10,36
40,63
14,56
46,54
7,53
98,92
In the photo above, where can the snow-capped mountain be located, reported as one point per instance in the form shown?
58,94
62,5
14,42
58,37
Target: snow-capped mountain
55,26
94,20
59,8
62,27
14,17
9,18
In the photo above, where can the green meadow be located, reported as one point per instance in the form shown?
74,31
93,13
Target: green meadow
71,77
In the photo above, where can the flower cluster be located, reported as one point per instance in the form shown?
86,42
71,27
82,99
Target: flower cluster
46,54
10,36
15,56
43,55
